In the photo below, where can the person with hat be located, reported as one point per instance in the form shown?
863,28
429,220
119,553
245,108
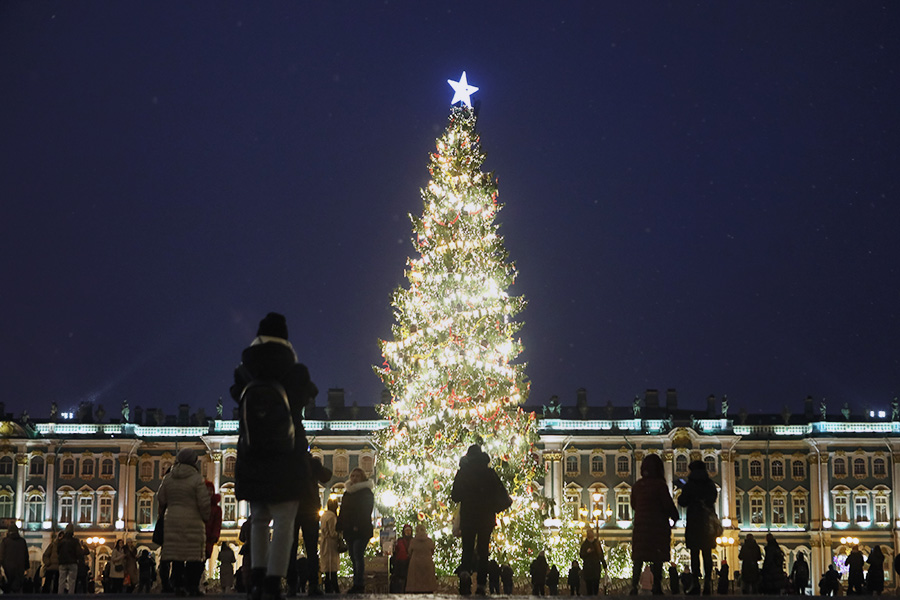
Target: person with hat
481,495
272,483
184,495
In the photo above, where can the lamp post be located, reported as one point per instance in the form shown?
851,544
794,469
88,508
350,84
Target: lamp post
726,542
93,543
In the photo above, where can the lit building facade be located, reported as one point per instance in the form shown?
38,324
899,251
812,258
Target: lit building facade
813,479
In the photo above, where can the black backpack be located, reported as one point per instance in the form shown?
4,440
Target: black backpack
267,426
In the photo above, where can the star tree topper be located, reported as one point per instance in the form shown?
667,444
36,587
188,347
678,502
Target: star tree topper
462,90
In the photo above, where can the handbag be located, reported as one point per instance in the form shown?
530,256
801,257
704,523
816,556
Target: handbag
158,529
341,545
713,524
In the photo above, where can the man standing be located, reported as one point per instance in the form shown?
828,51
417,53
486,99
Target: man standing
272,389
69,552
481,495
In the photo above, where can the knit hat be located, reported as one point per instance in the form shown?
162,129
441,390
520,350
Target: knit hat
273,325
187,456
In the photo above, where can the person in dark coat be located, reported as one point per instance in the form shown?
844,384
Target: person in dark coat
146,571
494,576
722,587
574,579
830,584
654,513
553,580
307,524
772,576
591,553
400,560
355,522
481,495
674,588
538,572
226,566
699,496
800,574
506,577
750,555
875,574
14,559
69,552
273,485
855,576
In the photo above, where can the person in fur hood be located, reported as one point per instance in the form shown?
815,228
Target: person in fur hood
355,522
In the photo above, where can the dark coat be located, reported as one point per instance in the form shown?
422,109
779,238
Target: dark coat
750,555
355,518
800,573
699,495
591,553
481,494
69,549
261,477
574,577
14,553
875,574
653,507
772,575
538,571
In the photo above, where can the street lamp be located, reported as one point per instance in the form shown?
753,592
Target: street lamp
93,543
849,541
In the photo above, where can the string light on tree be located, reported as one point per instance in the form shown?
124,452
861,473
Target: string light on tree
451,366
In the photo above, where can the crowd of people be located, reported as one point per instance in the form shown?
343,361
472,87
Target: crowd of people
279,478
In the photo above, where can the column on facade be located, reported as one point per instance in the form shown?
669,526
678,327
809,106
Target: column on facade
216,467
129,490
668,466
818,512
21,471
122,490
727,496
553,480
50,496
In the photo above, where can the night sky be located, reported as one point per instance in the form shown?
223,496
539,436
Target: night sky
700,196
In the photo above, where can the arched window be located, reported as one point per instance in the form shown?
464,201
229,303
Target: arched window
839,466
755,469
6,465
87,468
597,464
623,467
146,469
68,468
572,464
67,509
341,465
36,469
106,468
681,464
367,464
710,461
879,467
228,468
798,469
34,509
859,467
229,508
86,508
6,506
105,512
777,467
145,509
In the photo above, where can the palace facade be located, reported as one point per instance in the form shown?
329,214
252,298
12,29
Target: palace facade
819,481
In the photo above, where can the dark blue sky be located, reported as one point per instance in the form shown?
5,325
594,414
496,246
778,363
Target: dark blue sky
697,195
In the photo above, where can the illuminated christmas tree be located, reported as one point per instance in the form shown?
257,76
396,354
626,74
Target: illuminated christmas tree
450,368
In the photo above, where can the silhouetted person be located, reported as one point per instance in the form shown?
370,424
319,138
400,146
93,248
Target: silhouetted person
654,512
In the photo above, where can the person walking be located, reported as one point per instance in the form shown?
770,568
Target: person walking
271,472
355,523
538,571
772,577
481,495
226,566
875,574
800,574
69,552
699,496
573,579
654,514
591,553
184,494
750,555
329,539
420,577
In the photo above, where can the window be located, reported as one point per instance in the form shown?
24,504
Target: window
68,468
105,512
106,468
738,513
66,509
367,464
34,509
573,501
86,508
229,507
799,503
756,510
882,514
146,469
37,466
798,469
597,464
841,509
879,467
341,465
6,506
623,465
779,516
623,505
737,469
87,468
777,467
681,464
145,510
710,461
572,465
230,462
6,465
861,509
756,469
859,467
840,467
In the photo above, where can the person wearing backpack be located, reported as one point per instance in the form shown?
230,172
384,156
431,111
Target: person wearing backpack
272,388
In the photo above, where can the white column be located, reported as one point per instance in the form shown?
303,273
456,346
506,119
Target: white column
21,471
50,497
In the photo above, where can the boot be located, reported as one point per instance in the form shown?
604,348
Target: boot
272,588
465,583
257,577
